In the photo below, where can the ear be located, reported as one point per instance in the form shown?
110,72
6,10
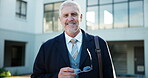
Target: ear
81,17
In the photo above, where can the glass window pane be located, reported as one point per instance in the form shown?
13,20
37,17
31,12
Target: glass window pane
57,5
134,0
57,26
48,7
23,8
92,2
121,15
106,17
120,0
14,54
18,4
105,1
136,14
92,18
48,21
51,21
121,51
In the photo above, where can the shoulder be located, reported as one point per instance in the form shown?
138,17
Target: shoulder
100,39
90,37
93,36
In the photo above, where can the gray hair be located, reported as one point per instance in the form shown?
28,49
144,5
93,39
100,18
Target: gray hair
69,3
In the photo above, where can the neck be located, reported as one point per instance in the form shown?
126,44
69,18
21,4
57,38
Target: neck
73,34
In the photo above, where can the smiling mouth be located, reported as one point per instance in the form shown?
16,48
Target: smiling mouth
71,23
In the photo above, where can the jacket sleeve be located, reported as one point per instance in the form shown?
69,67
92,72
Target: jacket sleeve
108,68
39,69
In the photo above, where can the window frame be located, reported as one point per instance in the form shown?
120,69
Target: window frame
14,53
53,11
20,13
113,3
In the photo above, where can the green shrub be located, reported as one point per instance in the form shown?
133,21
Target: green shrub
4,72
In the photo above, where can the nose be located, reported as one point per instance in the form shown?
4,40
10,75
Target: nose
70,18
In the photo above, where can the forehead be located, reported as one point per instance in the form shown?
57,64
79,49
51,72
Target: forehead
69,9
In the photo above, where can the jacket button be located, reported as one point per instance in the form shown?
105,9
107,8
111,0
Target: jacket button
75,64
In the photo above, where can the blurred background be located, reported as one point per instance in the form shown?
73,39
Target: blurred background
26,24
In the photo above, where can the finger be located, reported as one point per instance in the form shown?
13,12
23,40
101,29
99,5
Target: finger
67,69
68,74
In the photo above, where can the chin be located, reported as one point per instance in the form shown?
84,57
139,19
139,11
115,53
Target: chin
74,31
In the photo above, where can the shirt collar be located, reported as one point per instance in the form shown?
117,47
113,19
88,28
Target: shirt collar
78,37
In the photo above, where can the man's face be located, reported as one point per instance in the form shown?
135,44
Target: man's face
70,19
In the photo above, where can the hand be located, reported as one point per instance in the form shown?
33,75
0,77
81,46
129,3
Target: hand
66,72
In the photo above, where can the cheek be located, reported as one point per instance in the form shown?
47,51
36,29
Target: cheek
77,19
63,21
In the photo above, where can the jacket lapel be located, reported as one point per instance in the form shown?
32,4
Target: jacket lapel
83,53
86,43
62,49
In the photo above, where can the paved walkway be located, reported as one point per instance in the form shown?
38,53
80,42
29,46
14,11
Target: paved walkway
24,76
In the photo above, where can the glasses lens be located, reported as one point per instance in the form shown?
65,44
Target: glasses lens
77,71
87,68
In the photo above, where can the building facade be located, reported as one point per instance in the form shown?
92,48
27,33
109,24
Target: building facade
28,23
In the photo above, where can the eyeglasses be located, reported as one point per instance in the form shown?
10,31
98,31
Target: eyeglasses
86,68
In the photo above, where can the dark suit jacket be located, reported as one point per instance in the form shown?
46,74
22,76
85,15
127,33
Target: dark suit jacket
53,55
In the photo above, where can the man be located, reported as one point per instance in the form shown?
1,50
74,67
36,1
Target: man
55,58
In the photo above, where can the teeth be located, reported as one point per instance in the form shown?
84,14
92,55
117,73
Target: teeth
70,22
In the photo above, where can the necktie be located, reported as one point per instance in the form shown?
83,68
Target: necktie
74,51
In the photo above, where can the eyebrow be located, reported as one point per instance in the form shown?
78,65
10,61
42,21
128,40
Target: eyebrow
71,13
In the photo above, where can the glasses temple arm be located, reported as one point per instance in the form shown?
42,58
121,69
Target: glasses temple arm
89,56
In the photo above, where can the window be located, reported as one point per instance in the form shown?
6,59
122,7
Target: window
136,14
106,17
121,15
120,0
21,9
14,54
105,1
92,2
51,14
111,14
128,57
92,18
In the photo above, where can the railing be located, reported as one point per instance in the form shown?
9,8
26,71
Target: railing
129,76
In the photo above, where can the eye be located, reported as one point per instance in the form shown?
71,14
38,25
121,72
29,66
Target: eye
65,15
74,14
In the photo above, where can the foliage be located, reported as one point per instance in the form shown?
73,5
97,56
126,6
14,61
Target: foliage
4,73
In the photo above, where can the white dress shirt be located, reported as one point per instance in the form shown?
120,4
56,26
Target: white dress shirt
79,42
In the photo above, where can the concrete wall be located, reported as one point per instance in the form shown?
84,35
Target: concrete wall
31,30
9,21
29,51
39,7
146,56
146,36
